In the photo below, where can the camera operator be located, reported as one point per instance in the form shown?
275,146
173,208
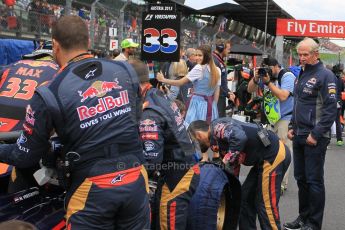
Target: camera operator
278,86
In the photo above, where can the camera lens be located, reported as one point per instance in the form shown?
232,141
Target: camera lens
262,72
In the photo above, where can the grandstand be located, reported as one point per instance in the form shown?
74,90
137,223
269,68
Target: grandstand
242,23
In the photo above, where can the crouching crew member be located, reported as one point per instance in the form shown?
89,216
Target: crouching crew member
251,145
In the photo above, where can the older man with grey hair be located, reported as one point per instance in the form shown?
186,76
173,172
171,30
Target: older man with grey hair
191,62
315,109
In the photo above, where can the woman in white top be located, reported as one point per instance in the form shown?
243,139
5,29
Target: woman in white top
205,77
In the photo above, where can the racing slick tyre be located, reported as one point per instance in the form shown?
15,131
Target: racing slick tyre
216,202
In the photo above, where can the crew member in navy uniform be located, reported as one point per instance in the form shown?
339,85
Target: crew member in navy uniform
249,144
169,152
93,105
314,111
222,50
18,82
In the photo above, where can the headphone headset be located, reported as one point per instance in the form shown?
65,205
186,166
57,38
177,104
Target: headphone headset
220,47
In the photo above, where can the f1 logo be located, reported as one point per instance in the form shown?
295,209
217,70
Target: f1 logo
148,17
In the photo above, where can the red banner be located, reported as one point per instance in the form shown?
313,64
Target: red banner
307,28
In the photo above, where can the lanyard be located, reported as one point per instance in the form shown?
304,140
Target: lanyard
79,57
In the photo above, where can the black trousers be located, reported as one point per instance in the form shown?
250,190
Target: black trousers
221,106
309,172
338,125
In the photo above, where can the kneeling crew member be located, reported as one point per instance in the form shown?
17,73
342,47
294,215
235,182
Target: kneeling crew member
169,151
240,143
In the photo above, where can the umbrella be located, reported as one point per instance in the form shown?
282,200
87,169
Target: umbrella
245,50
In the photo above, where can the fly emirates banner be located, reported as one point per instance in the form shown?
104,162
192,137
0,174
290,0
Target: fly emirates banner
307,28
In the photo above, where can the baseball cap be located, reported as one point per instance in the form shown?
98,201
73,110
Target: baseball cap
43,51
128,43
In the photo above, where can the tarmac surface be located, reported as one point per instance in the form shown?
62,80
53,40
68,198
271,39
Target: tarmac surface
334,215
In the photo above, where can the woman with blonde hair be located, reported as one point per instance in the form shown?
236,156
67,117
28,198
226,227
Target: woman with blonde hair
205,77
178,70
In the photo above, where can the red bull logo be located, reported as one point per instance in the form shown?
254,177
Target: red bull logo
99,89
147,122
104,104
174,107
29,117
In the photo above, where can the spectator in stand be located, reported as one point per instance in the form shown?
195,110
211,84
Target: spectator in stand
102,25
45,8
57,11
45,19
128,48
83,14
33,8
3,18
10,3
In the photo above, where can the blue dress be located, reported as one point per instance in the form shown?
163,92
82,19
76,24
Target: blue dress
201,103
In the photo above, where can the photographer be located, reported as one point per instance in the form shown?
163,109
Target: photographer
277,85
